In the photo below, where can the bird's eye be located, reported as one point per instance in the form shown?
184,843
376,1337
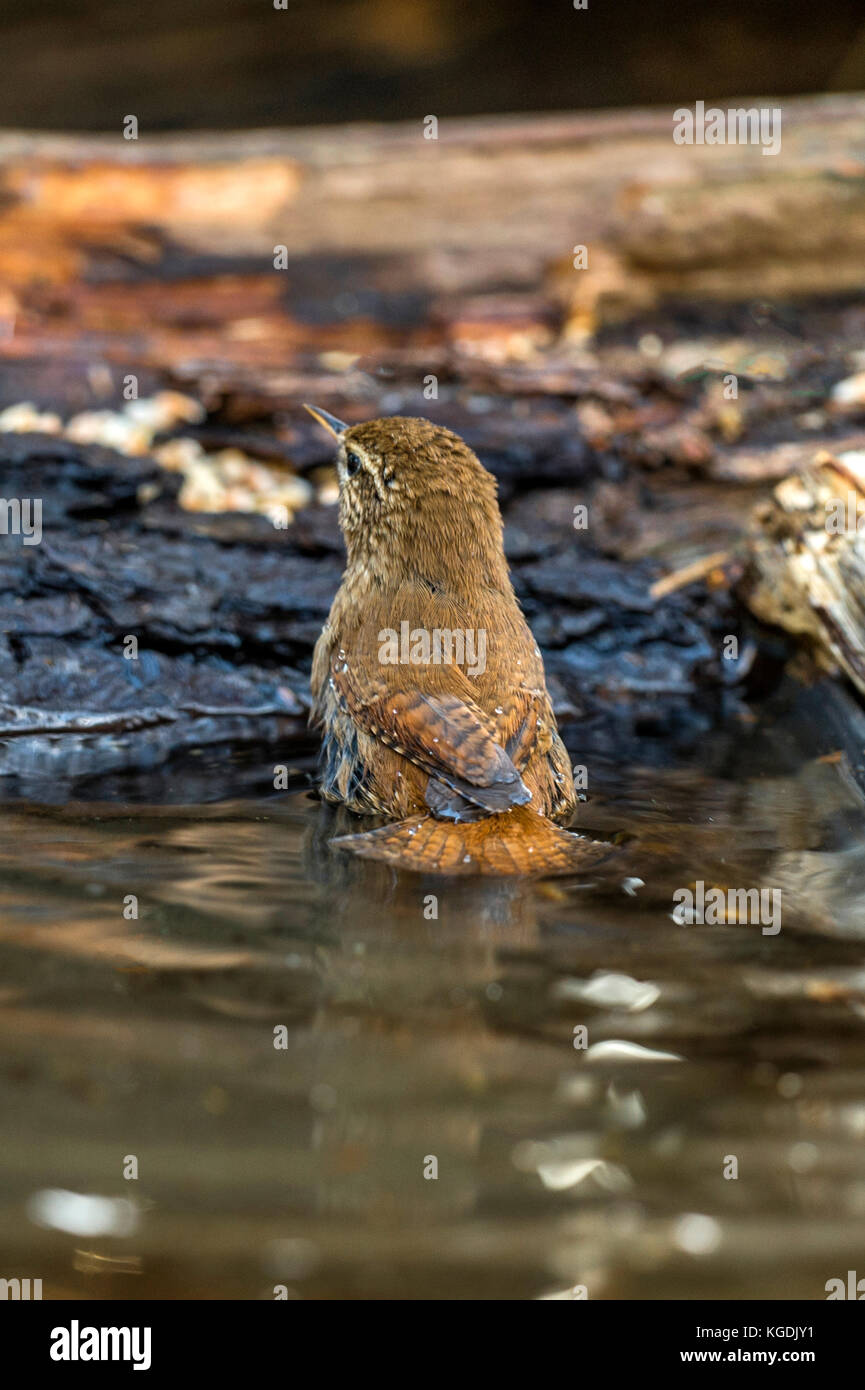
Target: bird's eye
352,463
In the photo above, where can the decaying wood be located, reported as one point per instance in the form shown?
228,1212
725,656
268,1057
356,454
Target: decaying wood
162,250
807,570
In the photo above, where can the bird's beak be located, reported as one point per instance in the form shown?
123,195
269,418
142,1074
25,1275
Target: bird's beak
330,422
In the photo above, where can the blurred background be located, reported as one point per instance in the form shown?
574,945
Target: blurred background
243,63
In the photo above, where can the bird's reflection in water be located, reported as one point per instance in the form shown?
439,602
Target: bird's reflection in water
475,910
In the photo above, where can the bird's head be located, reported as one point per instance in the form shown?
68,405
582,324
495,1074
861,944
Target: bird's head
415,496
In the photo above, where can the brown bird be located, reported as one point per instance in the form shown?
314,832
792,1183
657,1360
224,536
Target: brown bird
426,680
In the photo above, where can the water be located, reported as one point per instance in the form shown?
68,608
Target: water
410,1038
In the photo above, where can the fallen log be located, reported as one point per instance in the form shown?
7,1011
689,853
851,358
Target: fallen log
135,632
235,261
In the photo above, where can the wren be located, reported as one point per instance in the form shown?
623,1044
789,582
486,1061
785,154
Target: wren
427,683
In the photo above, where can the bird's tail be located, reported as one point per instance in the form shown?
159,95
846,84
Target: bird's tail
516,842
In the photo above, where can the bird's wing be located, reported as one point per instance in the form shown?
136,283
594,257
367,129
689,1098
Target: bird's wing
525,726
446,736
523,723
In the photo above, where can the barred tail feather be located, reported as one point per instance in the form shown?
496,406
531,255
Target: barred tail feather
517,842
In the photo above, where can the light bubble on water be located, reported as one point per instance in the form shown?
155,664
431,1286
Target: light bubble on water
82,1214
619,1050
696,1234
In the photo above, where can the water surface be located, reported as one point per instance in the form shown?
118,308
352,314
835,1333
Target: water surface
410,1037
